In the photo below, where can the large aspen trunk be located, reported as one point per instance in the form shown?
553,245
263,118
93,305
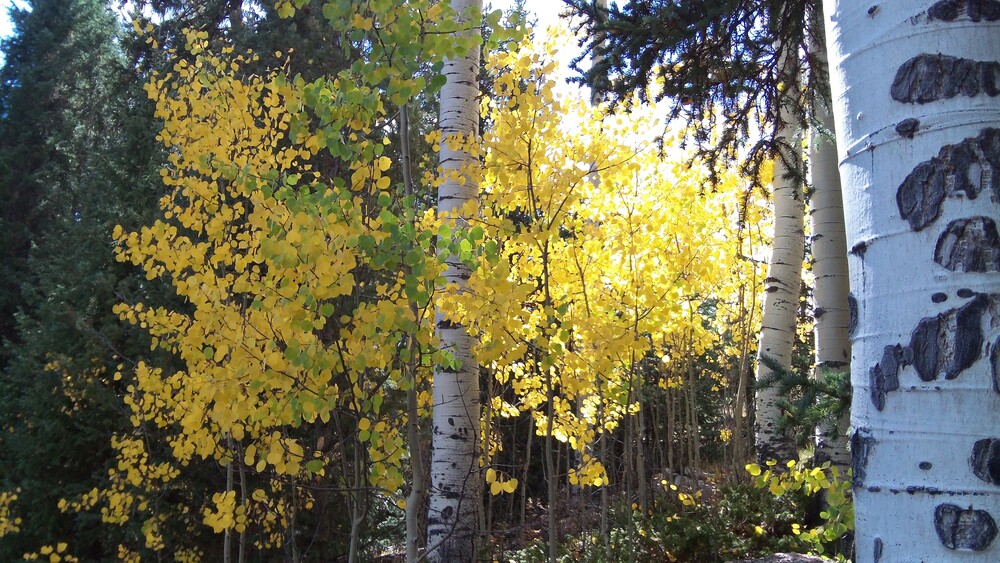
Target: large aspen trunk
455,500
829,252
916,88
783,283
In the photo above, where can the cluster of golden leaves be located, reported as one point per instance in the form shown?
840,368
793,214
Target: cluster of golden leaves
596,253
590,253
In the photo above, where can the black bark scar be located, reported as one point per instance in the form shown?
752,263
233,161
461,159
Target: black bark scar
969,245
950,174
930,78
862,445
985,460
948,343
852,309
995,365
884,376
977,10
964,529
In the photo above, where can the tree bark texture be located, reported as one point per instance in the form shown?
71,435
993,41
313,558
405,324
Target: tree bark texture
455,494
783,283
916,87
829,251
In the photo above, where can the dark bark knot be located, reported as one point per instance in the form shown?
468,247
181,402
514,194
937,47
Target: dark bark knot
969,245
933,77
852,309
447,513
859,249
965,169
977,10
884,376
995,365
862,445
985,460
964,529
907,127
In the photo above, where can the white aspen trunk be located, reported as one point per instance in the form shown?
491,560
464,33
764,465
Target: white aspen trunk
455,500
916,88
832,290
782,285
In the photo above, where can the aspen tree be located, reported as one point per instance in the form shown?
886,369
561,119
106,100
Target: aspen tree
916,87
455,504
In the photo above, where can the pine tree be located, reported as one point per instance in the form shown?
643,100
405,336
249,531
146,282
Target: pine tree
75,151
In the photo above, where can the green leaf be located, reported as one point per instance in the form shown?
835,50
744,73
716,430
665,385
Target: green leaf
413,257
437,82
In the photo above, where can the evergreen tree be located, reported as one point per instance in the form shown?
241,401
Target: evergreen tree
713,59
76,148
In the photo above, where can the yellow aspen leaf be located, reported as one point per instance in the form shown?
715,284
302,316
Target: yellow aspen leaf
777,489
250,454
360,22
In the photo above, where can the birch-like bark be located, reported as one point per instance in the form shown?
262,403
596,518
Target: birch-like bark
829,252
455,495
784,279
916,89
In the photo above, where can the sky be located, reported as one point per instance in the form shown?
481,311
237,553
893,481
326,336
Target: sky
5,25
4,19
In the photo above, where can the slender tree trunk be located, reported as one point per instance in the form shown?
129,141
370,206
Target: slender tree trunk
605,504
740,414
524,475
550,479
357,508
416,495
829,251
241,557
671,429
784,279
918,119
227,545
455,499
